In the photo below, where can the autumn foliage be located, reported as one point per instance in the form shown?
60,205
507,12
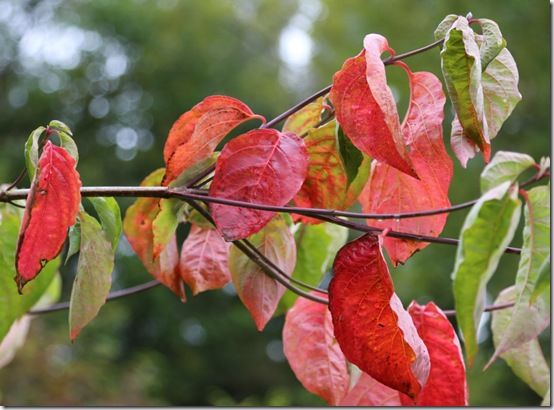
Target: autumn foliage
353,343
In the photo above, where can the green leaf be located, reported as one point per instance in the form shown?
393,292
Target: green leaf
542,288
500,81
190,173
316,246
94,275
110,217
488,229
493,42
60,127
527,360
14,306
69,145
165,223
444,26
504,166
32,147
461,67
359,182
535,250
305,119
546,399
74,237
351,156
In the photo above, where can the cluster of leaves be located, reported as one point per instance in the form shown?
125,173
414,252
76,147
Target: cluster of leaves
344,147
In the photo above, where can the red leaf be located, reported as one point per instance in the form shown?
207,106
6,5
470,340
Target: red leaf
52,207
365,106
446,385
204,260
392,191
263,166
312,353
369,392
372,328
137,227
326,182
195,135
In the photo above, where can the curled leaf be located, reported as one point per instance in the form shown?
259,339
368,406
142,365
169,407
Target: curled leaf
312,353
137,226
203,262
504,166
51,208
195,135
372,328
263,166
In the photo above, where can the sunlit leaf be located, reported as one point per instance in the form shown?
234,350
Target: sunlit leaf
504,166
372,328
94,275
526,360
305,119
51,208
257,291
488,229
312,352
263,166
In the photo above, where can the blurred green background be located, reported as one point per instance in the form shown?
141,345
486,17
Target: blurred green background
120,72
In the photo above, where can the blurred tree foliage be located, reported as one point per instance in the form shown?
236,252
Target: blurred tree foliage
119,73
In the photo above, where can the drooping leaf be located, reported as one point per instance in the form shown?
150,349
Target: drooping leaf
165,223
326,182
542,287
257,291
504,166
305,119
110,218
369,392
461,67
263,166
372,328
74,238
65,135
51,208
488,229
444,26
493,42
524,326
195,135
391,191
32,150
137,226
500,90
526,360
203,263
312,353
14,305
365,107
94,275
316,246
446,385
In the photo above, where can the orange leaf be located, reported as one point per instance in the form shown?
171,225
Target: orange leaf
137,227
365,106
392,191
195,135
311,350
446,385
204,260
52,207
372,328
263,166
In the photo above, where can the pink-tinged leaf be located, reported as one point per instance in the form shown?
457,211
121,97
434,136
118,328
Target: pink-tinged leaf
305,119
263,166
137,226
463,147
52,207
372,328
446,385
195,135
369,392
312,352
257,291
204,260
392,191
326,183
365,107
